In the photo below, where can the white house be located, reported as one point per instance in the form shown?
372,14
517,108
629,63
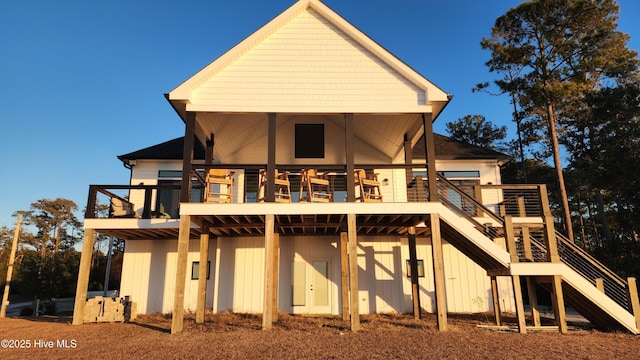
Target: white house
149,266
362,194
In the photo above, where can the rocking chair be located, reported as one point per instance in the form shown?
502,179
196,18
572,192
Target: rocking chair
368,185
282,186
219,186
316,186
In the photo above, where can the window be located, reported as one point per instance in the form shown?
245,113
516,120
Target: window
169,174
195,270
309,141
460,174
420,268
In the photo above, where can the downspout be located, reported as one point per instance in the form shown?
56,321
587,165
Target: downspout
129,164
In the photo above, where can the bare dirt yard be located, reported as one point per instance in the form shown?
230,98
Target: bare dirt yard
238,336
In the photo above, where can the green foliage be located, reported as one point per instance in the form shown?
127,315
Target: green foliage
47,267
555,57
622,255
51,218
47,277
476,130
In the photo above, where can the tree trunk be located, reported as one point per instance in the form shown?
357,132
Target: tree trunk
56,235
553,133
603,218
516,117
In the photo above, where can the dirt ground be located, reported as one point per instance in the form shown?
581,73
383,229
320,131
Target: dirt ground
238,336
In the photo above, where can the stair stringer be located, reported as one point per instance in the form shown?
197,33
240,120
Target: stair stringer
582,295
598,298
477,244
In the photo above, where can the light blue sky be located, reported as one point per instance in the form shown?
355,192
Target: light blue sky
83,81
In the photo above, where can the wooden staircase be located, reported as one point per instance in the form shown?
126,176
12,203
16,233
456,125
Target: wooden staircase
539,253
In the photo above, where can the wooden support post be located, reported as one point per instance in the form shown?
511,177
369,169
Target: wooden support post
349,156
83,276
496,300
549,227
632,298
558,304
438,273
526,243
202,275
550,240
269,192
413,264
533,301
354,305
12,258
509,234
408,159
600,284
430,147
276,273
269,257
216,274
517,294
184,233
187,156
522,210
477,195
344,279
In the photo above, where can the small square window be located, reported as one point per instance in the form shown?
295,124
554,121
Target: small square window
195,270
420,268
309,141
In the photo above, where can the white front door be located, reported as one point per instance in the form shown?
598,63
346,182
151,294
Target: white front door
311,290
319,290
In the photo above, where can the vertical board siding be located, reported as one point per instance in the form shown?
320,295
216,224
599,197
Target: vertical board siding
237,275
248,274
148,270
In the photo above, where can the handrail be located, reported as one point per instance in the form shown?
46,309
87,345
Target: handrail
475,202
489,231
570,254
617,278
576,259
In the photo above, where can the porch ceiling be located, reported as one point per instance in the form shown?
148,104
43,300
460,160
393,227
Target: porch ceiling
286,225
234,132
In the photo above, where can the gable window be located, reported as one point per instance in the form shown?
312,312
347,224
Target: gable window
309,141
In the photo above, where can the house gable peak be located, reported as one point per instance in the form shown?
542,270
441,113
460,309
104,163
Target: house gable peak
308,59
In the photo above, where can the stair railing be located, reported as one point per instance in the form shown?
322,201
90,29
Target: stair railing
570,254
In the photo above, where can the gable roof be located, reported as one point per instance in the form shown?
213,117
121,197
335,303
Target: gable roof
308,60
446,149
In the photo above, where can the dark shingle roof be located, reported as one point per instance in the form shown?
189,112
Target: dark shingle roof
451,149
169,150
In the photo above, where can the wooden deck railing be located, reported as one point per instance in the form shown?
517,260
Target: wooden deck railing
101,199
